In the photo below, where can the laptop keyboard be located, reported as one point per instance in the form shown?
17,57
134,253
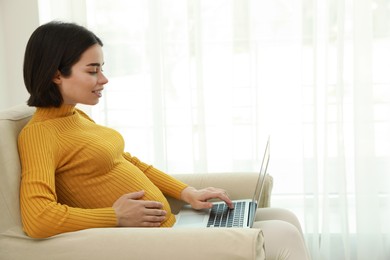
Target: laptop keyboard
222,216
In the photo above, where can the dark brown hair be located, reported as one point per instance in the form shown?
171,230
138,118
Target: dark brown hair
55,46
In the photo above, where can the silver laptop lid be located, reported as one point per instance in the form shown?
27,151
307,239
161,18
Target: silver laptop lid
261,180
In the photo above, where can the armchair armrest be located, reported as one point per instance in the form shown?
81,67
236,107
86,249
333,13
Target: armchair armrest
238,185
137,243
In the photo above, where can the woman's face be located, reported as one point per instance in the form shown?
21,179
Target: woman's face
86,81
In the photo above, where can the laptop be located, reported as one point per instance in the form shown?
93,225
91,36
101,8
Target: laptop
220,215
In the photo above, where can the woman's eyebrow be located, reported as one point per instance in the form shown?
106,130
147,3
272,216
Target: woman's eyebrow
95,64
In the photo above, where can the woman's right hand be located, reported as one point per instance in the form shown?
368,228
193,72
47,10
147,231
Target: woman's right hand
132,212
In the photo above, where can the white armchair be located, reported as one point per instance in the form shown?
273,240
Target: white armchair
121,243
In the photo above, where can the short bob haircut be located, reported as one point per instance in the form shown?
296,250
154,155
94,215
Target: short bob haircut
55,46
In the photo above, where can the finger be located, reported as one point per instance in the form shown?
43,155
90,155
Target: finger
135,195
154,219
220,195
202,205
155,212
227,200
153,205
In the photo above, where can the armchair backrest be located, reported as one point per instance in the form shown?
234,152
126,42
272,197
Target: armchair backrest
12,121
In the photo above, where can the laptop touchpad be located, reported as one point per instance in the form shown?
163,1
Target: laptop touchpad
187,219
192,218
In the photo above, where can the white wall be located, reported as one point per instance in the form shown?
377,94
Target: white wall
18,19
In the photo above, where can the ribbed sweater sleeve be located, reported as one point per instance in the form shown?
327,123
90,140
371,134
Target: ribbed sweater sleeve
166,183
42,215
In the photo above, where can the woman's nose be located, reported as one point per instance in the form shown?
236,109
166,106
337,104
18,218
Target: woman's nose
102,79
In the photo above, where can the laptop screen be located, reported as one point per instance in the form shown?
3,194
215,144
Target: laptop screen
262,174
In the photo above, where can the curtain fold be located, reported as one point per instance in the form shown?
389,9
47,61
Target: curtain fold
197,86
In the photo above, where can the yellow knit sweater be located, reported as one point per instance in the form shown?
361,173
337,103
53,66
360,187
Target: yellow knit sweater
73,170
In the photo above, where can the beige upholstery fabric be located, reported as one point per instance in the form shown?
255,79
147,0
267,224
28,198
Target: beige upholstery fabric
120,243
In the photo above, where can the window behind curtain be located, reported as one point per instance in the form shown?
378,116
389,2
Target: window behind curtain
198,85
183,84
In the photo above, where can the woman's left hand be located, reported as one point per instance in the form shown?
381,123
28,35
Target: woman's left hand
198,199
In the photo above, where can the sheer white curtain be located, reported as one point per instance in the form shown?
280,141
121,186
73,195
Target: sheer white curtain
197,86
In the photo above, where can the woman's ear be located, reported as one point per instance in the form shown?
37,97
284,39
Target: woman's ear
57,78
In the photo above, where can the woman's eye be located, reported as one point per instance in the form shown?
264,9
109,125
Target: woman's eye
95,72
